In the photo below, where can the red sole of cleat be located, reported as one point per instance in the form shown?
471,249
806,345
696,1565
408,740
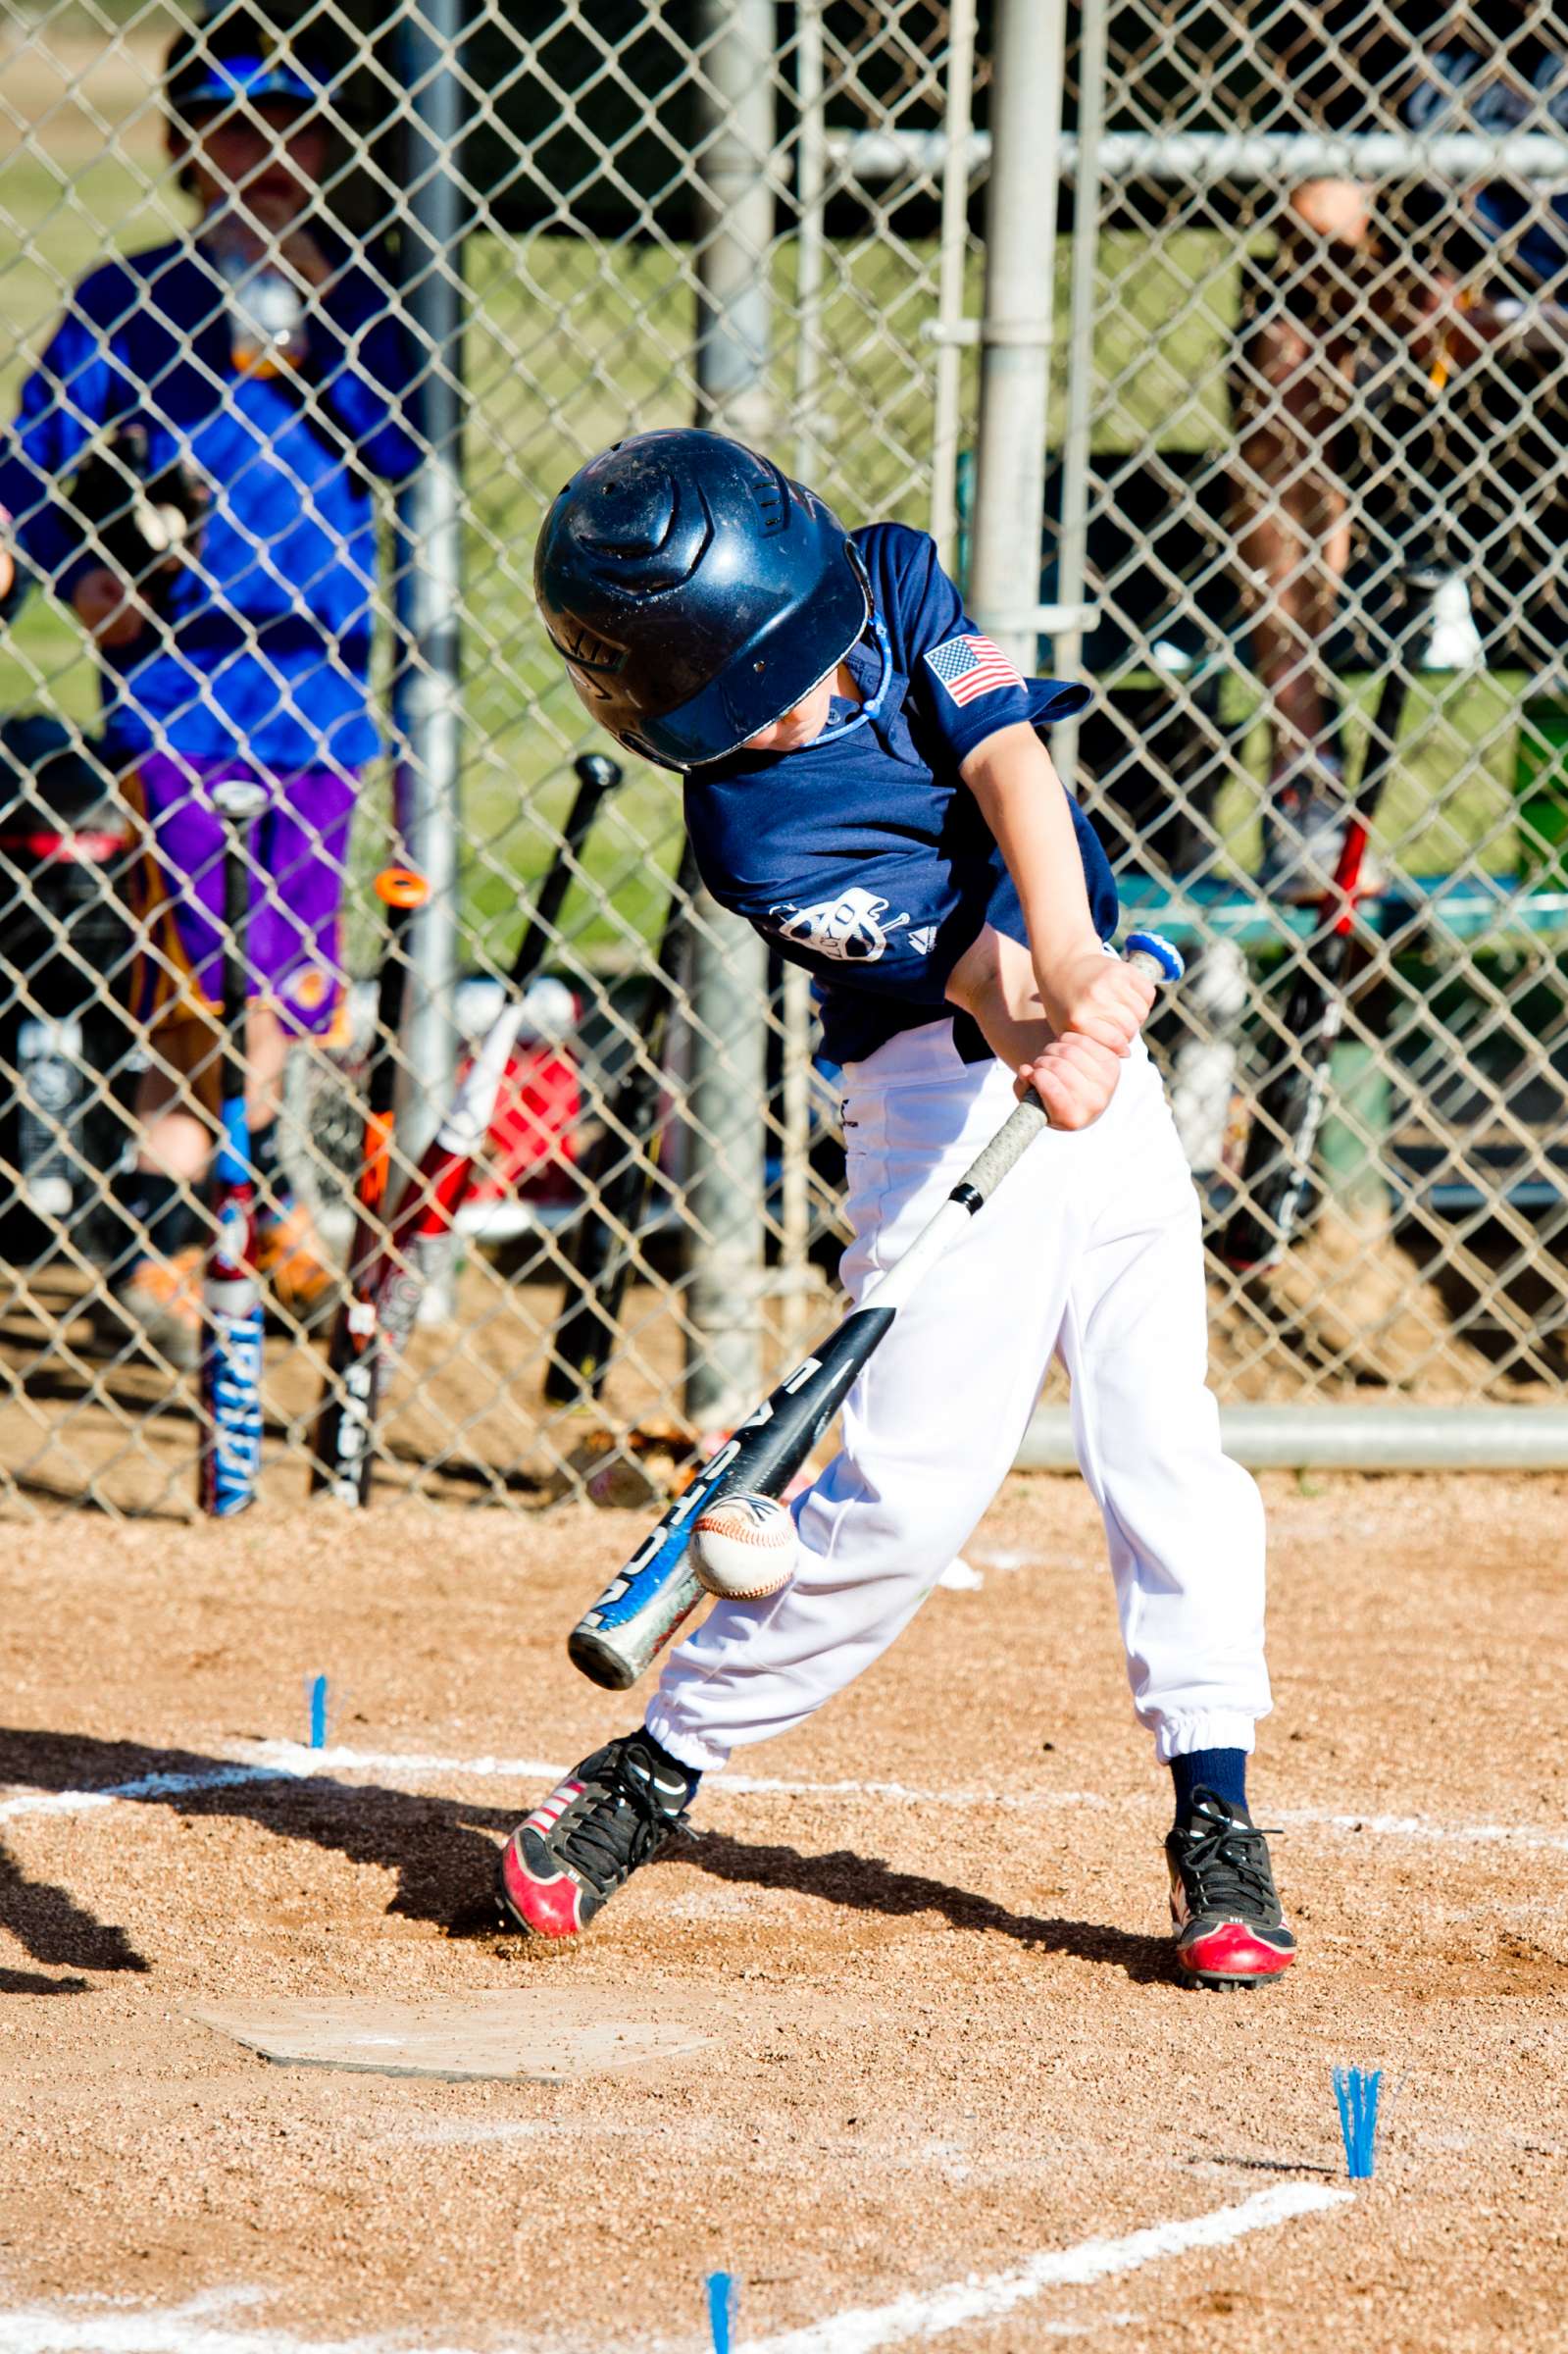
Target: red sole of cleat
1232,1956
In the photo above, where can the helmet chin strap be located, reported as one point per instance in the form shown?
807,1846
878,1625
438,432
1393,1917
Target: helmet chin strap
872,708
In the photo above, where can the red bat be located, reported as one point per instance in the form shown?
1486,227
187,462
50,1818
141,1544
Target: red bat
434,1194
346,1429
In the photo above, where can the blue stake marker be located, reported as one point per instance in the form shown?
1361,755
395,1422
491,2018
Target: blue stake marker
1357,2095
721,2310
318,1712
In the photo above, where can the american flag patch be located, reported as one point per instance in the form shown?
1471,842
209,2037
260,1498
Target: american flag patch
970,667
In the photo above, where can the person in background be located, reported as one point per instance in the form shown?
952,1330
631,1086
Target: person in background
1406,350
190,472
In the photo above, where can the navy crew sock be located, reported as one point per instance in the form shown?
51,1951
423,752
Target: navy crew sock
690,1774
1222,1770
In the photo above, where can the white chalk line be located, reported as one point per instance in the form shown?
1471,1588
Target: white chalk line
148,1786
96,2326
195,2328
915,2317
1420,1827
293,1762
292,1757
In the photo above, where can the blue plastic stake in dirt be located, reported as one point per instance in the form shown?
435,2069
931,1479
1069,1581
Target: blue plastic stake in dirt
318,1712
721,2310
1357,2095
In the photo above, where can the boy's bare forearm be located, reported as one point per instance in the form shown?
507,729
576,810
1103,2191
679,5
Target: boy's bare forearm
1078,987
1020,800
993,982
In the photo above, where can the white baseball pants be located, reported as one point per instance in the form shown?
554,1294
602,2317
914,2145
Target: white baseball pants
1091,1247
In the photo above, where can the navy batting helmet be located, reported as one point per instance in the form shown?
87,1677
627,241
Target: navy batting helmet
695,592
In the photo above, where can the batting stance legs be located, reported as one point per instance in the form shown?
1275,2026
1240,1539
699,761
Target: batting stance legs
1089,1249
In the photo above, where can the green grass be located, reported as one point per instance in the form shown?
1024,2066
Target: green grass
569,344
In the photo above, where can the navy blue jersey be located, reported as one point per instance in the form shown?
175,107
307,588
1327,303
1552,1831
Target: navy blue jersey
863,856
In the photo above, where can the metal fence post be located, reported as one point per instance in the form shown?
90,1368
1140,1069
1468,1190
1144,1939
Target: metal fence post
429,577
1071,543
1016,329
957,173
727,1096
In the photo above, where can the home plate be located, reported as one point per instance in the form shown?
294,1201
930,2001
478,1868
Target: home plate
544,2038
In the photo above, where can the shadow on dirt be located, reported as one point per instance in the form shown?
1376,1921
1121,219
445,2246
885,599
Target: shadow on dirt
32,1981
443,1852
864,1884
437,1847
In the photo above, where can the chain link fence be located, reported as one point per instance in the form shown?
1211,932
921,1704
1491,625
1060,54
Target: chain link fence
1303,366
1323,354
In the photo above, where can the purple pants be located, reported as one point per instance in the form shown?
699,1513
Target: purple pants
299,860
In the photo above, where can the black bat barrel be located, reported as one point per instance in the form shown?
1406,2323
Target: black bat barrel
67,1050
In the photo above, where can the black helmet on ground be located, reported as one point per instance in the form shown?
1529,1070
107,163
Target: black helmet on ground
695,592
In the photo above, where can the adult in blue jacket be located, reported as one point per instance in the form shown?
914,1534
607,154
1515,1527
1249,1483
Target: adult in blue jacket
251,379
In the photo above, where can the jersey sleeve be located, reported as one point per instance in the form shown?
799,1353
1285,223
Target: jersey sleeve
962,683
65,402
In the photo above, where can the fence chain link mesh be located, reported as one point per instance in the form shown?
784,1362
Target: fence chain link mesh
1327,397
1276,447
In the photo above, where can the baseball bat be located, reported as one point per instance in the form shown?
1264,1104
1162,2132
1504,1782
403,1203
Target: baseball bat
434,1194
345,1427
1276,1170
615,1179
229,1450
657,1591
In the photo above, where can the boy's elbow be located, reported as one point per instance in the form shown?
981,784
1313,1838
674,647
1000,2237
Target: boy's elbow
975,979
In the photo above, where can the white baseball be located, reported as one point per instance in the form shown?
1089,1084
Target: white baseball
746,1547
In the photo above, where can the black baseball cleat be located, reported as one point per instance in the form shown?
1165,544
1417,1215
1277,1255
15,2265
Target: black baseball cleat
1230,1928
611,1814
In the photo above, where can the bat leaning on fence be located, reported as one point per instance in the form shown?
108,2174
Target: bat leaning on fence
615,1179
657,1591
1278,1167
394,1281
341,1451
229,1450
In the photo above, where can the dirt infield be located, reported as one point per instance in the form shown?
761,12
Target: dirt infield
949,2086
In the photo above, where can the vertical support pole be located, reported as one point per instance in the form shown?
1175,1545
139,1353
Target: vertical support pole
958,122
734,215
1071,545
795,1015
811,173
794,1182
427,591
727,1100
1016,331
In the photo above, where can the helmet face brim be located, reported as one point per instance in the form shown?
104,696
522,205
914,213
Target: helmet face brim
716,723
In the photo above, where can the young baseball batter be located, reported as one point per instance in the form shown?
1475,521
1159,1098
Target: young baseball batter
866,784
